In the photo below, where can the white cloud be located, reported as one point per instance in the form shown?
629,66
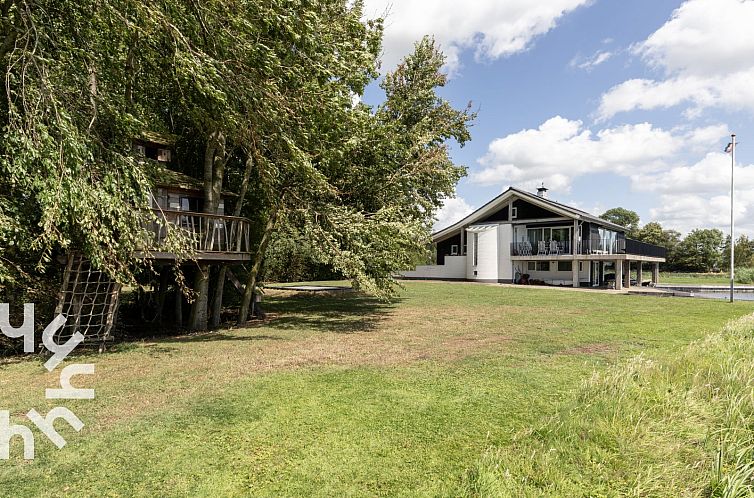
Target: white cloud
691,194
698,195
491,28
590,63
706,51
453,210
561,149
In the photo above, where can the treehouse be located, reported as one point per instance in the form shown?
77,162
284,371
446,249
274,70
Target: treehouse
178,202
89,298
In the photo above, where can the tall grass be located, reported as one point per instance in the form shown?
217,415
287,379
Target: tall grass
680,425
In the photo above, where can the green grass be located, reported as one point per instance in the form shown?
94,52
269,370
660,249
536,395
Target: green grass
672,425
344,395
694,278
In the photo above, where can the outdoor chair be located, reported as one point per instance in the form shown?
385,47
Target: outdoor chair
554,247
541,248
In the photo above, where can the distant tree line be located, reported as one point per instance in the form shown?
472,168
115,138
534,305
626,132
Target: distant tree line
701,250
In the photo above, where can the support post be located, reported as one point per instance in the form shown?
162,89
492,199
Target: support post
656,274
639,276
618,274
627,274
575,273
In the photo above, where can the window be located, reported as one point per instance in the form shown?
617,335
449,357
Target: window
532,266
565,265
538,266
514,213
454,250
163,155
193,204
476,248
581,266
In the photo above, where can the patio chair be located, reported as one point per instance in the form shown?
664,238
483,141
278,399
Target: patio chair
554,247
541,248
526,249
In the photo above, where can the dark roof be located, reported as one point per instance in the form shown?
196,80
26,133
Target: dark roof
164,177
158,138
583,214
528,196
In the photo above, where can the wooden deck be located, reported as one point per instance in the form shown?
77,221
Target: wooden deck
215,238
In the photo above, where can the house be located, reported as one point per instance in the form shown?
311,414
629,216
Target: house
520,236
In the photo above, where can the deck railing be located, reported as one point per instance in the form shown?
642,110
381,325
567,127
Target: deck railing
587,247
602,246
541,248
209,232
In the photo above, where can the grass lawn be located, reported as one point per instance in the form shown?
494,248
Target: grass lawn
340,395
694,278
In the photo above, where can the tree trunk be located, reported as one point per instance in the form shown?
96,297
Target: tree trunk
214,167
217,303
198,318
221,275
251,282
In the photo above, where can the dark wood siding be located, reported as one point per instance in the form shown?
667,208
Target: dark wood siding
501,215
443,248
527,211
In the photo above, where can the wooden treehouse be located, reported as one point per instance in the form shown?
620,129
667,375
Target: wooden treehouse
89,298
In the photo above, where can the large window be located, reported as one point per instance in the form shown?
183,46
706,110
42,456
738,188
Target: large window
565,265
538,266
559,234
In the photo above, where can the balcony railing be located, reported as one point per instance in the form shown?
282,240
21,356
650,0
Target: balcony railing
541,248
602,246
208,232
588,247
644,249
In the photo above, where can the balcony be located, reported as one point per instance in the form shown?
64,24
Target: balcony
213,237
591,247
541,248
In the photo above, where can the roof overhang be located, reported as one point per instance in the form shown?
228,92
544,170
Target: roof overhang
510,195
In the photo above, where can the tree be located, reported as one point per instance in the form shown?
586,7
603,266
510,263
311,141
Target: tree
365,202
653,233
744,252
623,217
701,250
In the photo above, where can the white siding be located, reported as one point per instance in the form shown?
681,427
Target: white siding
504,264
453,269
487,259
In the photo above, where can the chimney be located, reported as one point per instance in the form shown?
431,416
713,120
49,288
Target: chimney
542,191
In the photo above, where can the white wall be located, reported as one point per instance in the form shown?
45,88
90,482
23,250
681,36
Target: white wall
504,241
553,276
487,255
453,269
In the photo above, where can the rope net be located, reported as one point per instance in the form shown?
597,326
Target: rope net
88,299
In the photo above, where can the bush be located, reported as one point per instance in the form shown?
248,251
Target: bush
745,275
682,425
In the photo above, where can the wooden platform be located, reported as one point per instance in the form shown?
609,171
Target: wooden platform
211,256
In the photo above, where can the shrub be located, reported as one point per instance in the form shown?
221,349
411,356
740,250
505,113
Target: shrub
745,275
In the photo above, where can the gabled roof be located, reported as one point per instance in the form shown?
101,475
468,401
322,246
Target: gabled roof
503,199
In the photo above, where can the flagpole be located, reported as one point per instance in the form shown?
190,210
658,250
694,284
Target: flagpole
732,226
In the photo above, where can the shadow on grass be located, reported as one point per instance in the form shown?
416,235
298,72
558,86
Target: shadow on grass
338,313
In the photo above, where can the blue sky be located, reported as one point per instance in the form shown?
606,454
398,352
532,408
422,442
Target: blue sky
608,102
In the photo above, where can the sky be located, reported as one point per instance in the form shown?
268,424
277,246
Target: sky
607,102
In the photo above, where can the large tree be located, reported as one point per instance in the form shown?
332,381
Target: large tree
623,217
701,250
